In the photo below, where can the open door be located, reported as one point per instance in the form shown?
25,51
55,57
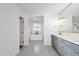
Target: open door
21,31
36,28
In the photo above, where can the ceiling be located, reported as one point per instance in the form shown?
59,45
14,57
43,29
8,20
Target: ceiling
33,8
73,9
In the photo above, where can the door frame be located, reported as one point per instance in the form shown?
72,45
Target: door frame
21,42
42,28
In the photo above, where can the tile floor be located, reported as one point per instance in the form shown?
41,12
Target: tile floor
36,48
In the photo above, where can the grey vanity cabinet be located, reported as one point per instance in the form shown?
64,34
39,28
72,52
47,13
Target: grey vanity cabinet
64,47
57,44
68,51
72,46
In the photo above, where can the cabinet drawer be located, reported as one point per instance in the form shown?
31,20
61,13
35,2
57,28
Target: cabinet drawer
68,51
72,45
65,47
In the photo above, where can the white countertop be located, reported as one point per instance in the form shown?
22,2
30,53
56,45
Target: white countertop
72,37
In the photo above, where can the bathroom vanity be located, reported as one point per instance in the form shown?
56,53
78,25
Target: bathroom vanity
66,44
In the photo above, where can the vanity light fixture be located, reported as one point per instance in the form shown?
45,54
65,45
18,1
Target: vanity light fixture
60,24
61,18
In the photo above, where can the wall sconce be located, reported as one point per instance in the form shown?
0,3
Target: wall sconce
60,24
61,18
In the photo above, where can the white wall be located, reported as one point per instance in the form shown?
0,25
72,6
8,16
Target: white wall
67,24
9,29
49,28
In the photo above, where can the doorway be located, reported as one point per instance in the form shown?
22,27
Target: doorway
36,28
21,32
